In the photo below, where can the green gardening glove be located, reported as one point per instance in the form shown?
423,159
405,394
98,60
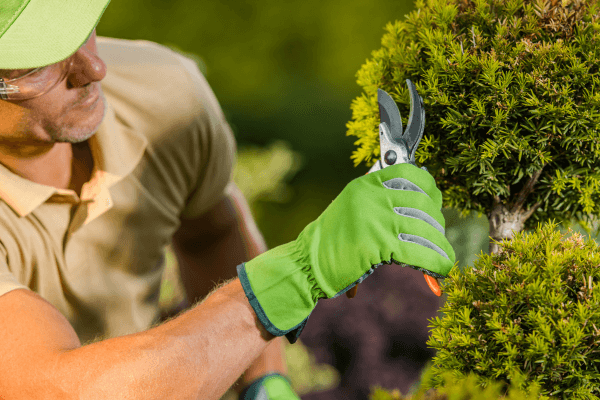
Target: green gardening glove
390,215
273,386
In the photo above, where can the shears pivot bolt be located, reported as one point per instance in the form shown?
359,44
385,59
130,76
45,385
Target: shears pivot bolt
390,157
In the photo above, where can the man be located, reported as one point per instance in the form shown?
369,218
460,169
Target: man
96,180
47,157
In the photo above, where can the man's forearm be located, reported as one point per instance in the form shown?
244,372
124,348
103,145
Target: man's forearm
197,355
203,266
272,359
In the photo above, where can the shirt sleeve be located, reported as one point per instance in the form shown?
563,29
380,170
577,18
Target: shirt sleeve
8,281
218,142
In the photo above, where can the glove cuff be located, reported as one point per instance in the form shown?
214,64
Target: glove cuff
281,289
256,388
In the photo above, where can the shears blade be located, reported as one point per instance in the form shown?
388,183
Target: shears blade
395,145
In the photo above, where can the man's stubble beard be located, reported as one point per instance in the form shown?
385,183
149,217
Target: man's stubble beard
78,134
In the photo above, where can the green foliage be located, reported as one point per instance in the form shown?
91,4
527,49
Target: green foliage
527,315
263,173
453,387
509,88
252,49
378,393
306,374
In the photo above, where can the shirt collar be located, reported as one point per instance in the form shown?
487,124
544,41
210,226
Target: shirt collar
116,150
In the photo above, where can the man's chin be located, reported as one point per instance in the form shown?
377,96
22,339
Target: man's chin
85,127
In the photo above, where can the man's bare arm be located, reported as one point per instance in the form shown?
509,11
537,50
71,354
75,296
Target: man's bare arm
209,248
197,355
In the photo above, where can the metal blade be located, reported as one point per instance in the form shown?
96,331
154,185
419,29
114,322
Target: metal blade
416,121
390,115
391,144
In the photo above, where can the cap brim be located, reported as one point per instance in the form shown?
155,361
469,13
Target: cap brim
49,31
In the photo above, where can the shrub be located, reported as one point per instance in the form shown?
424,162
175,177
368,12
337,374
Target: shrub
510,91
527,315
455,388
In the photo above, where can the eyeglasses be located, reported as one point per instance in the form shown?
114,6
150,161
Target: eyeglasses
35,83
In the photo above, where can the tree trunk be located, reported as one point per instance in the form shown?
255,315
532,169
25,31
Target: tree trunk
502,224
504,220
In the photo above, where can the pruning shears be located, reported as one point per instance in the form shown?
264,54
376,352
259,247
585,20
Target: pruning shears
400,147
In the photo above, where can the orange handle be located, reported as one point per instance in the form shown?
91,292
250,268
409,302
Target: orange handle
433,284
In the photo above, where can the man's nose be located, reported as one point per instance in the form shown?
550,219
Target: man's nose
87,67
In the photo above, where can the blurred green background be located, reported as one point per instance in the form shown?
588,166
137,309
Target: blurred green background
284,74
281,70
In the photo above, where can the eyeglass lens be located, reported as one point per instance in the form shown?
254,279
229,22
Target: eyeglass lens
35,84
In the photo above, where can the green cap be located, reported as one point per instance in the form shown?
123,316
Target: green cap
35,33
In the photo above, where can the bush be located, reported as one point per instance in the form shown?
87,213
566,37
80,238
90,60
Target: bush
510,92
455,388
527,315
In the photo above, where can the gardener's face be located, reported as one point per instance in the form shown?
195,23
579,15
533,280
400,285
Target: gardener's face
57,116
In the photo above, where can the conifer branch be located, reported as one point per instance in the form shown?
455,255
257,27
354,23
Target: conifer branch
528,188
531,210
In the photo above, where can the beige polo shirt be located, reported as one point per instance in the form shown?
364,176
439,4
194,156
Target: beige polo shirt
163,150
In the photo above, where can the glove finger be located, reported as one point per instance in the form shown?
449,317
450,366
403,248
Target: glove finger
411,176
417,205
430,247
429,255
